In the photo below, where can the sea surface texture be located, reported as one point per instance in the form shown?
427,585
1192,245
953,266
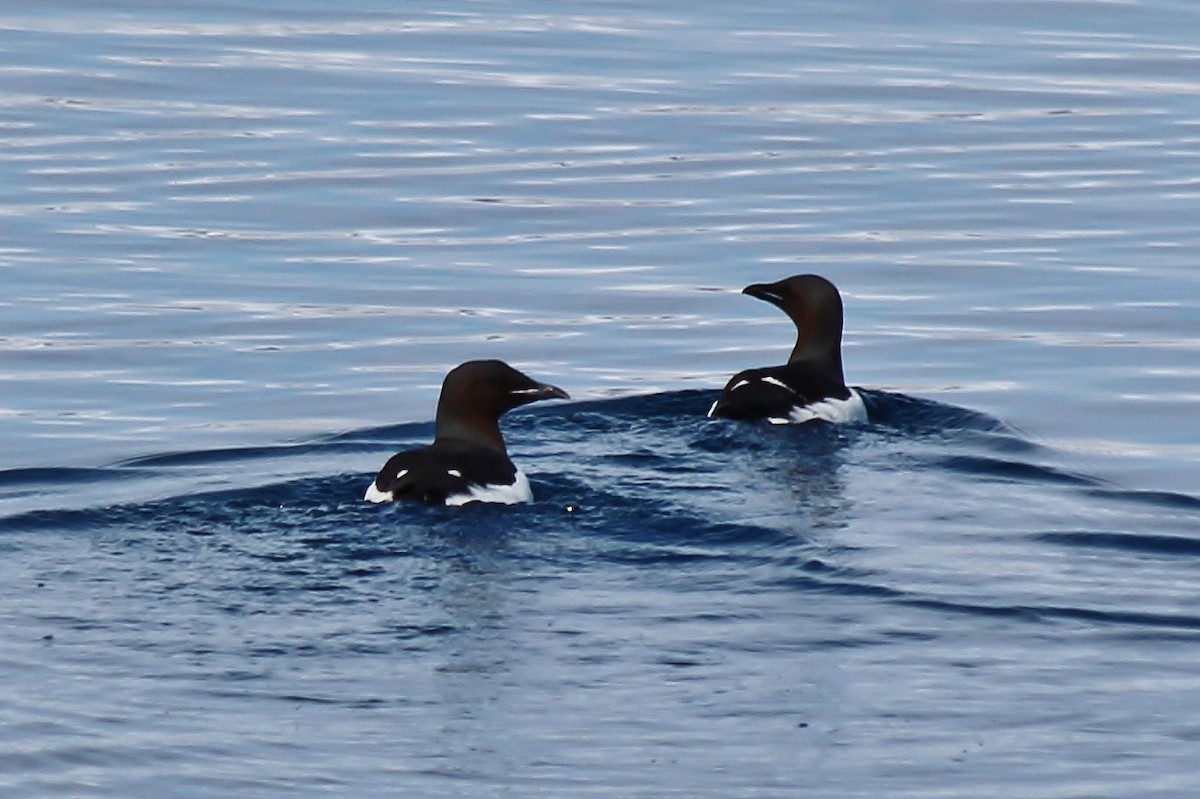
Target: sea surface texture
243,242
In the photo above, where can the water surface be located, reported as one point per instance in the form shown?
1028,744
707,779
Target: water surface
243,244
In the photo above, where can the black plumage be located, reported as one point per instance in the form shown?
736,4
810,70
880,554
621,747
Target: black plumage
813,374
467,459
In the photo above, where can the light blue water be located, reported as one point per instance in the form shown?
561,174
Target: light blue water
242,245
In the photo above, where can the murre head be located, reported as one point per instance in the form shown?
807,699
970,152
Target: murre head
815,306
477,393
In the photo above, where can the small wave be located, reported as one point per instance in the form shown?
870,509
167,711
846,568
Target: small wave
47,477
1009,470
920,416
1166,500
1125,542
1052,613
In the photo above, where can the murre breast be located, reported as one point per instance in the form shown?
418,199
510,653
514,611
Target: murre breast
811,384
467,461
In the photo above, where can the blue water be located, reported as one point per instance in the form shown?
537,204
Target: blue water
243,243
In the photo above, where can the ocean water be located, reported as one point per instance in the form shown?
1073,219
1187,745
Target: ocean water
242,244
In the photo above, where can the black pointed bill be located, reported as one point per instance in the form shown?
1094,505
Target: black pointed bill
764,291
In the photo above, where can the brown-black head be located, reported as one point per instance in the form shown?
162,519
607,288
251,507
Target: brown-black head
476,394
815,306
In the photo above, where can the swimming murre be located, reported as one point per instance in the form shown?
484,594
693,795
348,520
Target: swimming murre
467,461
811,384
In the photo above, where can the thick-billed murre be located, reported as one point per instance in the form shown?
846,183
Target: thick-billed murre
467,461
811,384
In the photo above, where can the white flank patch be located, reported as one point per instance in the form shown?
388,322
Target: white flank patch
375,495
838,411
454,472
519,491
